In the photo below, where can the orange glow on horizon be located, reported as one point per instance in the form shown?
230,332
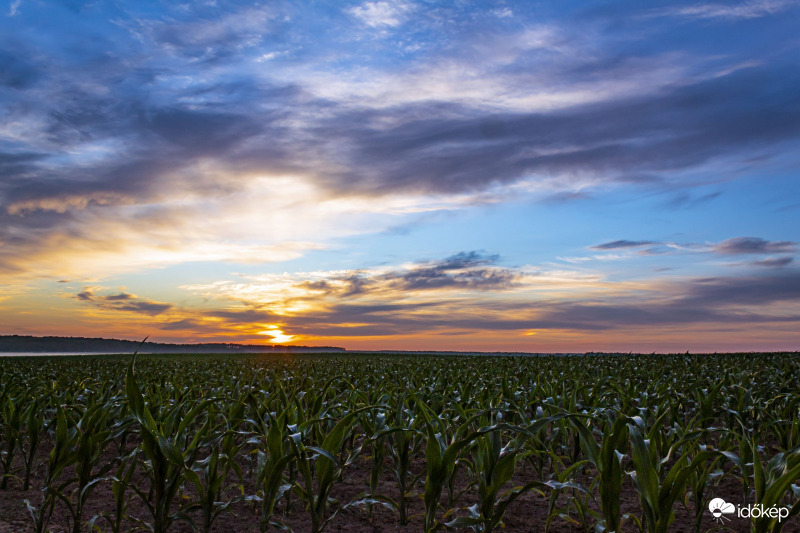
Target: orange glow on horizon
278,336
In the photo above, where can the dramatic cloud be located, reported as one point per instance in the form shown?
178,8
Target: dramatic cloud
465,271
310,154
696,301
651,127
443,296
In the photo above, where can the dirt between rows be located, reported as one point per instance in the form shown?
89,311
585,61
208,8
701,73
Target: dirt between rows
528,514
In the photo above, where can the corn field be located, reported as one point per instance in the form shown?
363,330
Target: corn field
399,442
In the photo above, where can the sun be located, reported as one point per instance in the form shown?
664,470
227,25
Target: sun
278,336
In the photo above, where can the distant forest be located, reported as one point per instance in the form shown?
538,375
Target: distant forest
24,343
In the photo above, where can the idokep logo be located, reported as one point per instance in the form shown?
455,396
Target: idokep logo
719,508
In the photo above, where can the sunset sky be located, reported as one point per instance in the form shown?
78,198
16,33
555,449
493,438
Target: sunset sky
462,175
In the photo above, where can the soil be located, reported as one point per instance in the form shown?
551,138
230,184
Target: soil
528,514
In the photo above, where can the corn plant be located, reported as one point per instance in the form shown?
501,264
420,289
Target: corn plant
169,450
578,500
402,441
209,475
698,481
494,465
607,460
374,425
772,483
120,482
58,460
736,444
13,422
441,457
786,425
321,466
271,465
191,435
658,494
87,442
495,470
34,427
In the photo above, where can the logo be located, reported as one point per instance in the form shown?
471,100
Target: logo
719,508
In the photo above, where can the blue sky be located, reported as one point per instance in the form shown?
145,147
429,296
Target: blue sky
532,176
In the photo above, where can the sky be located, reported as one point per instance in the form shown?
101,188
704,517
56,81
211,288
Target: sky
412,175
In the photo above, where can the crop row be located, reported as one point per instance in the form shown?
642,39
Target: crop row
192,438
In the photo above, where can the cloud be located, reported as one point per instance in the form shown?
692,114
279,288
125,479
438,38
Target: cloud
753,245
13,8
685,200
16,72
492,75
15,166
505,12
162,140
771,262
202,132
65,203
730,11
123,301
374,143
465,295
752,290
462,272
205,33
622,244
467,291
382,13
386,309
733,246
439,148
709,301
458,123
